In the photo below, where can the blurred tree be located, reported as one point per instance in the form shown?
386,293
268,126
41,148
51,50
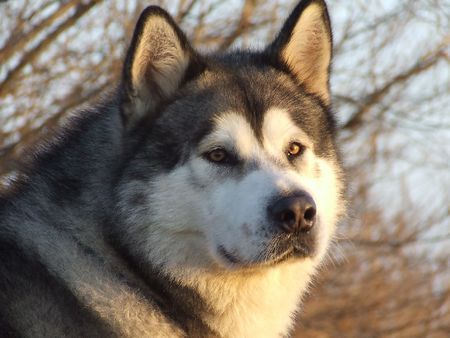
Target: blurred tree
391,85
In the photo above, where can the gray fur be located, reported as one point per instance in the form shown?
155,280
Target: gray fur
73,259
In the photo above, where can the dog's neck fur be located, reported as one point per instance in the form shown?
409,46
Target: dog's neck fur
258,303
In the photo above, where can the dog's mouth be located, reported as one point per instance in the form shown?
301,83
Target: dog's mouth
285,253
275,254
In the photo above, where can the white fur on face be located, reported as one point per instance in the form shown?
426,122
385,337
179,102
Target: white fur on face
201,207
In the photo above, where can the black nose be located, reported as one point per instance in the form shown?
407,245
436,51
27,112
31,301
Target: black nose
294,213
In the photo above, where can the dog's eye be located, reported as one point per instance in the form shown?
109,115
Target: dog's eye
294,150
217,155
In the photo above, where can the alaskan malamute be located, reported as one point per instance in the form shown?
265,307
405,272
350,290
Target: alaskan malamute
197,200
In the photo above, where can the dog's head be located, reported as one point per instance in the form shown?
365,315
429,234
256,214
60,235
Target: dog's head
233,161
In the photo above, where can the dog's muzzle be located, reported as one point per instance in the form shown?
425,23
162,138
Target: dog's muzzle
290,232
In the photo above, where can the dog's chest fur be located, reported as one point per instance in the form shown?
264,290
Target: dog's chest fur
261,305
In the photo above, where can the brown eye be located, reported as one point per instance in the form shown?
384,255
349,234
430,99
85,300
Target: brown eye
294,149
217,155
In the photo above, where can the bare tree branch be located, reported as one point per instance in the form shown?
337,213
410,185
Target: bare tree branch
19,40
242,25
378,94
34,53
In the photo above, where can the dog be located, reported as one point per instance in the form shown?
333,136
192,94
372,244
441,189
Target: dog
197,199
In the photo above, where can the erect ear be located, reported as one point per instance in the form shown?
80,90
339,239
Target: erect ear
159,59
304,46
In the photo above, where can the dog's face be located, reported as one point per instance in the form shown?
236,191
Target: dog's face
236,166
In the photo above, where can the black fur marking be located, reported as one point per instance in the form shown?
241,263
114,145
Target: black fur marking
6,329
254,106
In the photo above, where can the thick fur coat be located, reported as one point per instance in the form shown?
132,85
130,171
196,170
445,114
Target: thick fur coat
197,200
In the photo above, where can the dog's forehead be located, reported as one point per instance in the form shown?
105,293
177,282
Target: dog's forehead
263,95
253,92
262,101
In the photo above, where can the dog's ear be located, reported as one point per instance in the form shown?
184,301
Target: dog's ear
159,59
304,46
